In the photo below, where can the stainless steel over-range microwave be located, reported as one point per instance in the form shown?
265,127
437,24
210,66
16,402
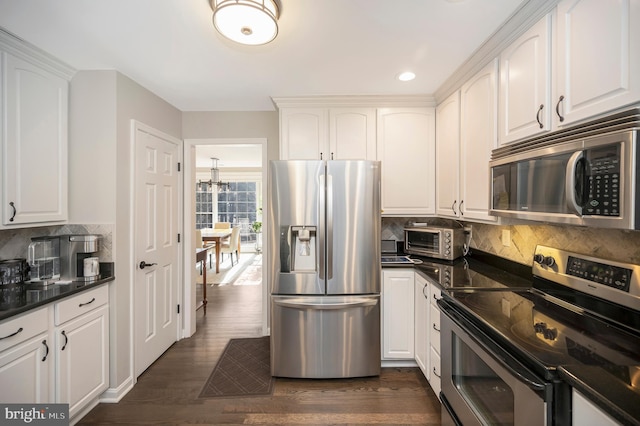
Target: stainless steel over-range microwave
586,176
439,243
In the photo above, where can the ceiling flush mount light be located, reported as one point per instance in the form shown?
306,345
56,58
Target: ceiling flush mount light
406,76
250,22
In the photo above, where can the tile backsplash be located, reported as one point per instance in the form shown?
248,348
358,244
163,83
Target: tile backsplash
619,245
14,242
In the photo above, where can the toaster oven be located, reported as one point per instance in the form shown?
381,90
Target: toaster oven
438,243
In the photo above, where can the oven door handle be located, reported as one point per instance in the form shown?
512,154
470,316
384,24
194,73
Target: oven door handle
475,332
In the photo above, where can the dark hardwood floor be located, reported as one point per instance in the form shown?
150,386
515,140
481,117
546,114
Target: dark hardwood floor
167,393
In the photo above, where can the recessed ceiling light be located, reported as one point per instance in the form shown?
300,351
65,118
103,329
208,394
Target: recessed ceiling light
406,76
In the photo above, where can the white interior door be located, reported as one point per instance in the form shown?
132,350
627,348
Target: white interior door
156,243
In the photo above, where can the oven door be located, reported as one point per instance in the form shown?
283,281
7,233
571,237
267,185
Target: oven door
483,384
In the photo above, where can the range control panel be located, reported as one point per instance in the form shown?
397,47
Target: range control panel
601,273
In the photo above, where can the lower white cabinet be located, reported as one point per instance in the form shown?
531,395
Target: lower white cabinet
58,353
585,413
82,348
26,358
421,303
398,314
434,339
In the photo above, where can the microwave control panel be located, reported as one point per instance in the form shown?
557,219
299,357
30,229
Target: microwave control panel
603,181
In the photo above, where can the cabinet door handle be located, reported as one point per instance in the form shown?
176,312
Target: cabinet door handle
435,328
87,303
453,206
66,340
332,155
425,288
12,334
13,215
538,116
434,297
436,373
558,108
46,347
321,156
461,211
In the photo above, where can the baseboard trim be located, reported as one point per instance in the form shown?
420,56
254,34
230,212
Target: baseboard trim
114,395
390,363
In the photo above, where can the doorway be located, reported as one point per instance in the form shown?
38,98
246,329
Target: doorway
240,160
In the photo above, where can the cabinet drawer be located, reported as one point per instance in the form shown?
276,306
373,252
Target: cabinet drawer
434,373
434,329
18,330
80,303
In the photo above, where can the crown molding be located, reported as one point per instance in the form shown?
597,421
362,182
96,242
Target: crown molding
529,12
355,101
13,44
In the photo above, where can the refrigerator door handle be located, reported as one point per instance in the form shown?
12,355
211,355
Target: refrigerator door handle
329,214
301,304
321,230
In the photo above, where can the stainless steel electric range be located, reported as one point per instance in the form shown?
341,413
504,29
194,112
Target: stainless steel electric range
513,355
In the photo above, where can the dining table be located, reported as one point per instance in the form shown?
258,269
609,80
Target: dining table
217,235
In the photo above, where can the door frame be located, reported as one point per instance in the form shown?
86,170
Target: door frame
135,126
189,245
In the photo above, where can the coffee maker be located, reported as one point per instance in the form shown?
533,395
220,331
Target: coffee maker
74,250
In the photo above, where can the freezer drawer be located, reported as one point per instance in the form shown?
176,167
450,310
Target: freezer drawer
325,336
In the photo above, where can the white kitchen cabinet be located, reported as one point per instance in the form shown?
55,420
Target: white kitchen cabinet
398,314
352,134
585,413
464,149
421,336
327,134
34,142
82,348
598,57
525,84
478,136
25,358
434,339
448,156
406,149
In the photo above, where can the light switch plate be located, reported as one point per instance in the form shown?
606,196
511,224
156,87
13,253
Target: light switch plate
506,238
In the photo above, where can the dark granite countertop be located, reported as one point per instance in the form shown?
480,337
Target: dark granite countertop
611,394
34,296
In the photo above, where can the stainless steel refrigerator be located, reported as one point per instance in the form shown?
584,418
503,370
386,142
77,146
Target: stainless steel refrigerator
324,271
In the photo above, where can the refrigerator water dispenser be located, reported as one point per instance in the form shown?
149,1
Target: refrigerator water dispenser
298,249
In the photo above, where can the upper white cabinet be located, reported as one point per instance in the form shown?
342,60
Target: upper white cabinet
34,139
598,57
448,156
579,62
327,134
466,134
525,84
406,149
352,134
478,136
303,133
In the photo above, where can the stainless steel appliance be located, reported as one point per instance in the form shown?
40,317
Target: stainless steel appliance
504,349
43,255
324,236
74,249
585,175
438,243
13,275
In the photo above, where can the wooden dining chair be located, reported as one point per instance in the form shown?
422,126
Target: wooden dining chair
231,245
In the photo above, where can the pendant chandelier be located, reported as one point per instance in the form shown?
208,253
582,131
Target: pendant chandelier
250,22
215,176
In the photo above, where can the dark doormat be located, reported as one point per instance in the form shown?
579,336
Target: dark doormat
243,370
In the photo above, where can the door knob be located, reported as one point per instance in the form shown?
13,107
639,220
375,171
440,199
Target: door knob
144,264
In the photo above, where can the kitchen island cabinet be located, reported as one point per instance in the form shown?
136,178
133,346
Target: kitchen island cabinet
34,136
